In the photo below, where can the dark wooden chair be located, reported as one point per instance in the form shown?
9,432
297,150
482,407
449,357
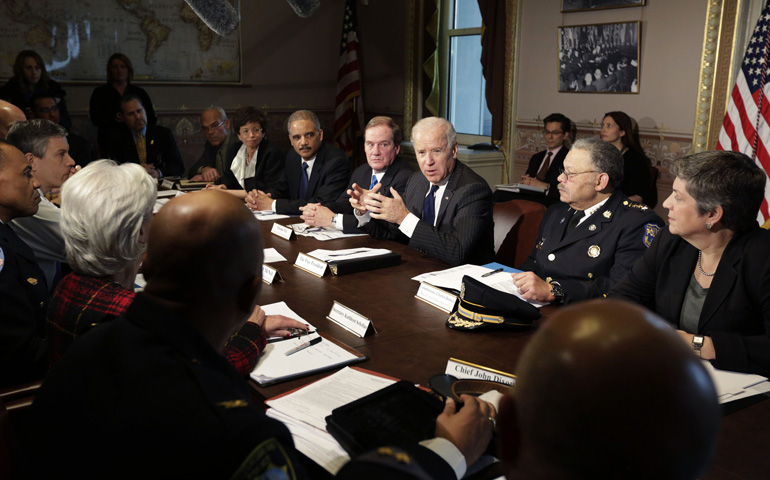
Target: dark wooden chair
516,225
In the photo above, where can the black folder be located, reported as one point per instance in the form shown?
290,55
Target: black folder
355,265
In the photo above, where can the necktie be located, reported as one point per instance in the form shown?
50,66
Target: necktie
141,149
544,168
303,181
573,222
429,206
374,182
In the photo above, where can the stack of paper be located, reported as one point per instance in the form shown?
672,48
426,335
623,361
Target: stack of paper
734,385
347,254
518,187
321,233
304,412
265,215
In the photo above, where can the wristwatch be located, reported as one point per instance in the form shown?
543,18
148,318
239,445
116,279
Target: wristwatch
334,218
697,343
557,292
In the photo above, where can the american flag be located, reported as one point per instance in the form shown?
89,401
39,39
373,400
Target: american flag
348,110
746,128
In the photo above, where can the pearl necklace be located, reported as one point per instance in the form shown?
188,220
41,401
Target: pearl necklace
701,268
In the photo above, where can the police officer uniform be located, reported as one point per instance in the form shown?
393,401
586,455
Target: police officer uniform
590,259
23,296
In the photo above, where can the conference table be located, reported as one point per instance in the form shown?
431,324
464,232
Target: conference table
413,342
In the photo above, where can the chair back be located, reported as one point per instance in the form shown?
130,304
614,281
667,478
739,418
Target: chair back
516,226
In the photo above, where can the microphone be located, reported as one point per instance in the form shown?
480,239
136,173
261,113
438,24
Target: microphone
304,8
218,15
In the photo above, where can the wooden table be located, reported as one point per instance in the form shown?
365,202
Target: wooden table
413,342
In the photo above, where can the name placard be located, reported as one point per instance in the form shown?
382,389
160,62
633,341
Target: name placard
284,232
437,297
311,265
168,184
270,274
463,369
351,320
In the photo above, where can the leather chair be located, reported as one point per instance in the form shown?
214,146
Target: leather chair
516,226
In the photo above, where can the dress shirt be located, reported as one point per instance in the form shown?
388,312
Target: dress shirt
410,222
239,167
591,210
338,222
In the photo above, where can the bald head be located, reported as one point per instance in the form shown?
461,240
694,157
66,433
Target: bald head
607,389
9,114
204,255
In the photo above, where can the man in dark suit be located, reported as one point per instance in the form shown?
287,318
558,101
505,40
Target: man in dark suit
590,241
151,146
545,167
382,142
213,161
44,106
446,211
315,172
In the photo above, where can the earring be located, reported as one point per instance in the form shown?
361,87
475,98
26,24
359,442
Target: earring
708,226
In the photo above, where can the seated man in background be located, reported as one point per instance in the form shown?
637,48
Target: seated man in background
23,291
314,172
606,389
213,161
382,142
152,392
590,241
446,211
151,146
44,106
9,114
45,145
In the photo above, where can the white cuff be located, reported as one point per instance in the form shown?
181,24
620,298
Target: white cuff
448,452
362,219
337,222
409,224
272,205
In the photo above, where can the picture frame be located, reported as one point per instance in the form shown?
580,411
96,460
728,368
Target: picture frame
599,58
569,6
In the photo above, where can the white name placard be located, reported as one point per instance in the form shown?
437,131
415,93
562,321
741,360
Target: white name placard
461,369
284,232
270,274
311,265
351,320
169,184
437,297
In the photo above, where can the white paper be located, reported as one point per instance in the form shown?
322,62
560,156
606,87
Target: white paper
322,234
280,308
735,385
347,254
272,256
268,215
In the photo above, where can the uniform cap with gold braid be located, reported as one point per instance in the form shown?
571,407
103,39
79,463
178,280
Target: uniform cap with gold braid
483,306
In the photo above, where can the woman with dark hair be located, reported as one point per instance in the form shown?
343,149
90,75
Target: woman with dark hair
30,78
618,129
105,100
708,273
252,163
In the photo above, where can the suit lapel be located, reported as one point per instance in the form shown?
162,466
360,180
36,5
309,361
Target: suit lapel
316,173
451,185
722,285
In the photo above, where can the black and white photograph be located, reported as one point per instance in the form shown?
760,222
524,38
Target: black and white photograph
568,6
601,58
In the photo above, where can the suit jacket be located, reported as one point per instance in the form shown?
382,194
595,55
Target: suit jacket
636,177
598,253
209,156
464,231
267,173
552,175
327,181
23,297
161,149
736,312
395,176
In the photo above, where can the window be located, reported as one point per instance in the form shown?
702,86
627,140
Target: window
463,102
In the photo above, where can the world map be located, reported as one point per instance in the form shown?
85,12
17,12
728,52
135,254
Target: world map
165,40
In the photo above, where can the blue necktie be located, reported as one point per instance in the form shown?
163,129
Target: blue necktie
303,181
429,206
374,182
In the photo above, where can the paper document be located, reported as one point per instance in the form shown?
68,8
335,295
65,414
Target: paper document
321,233
280,308
265,215
347,254
163,198
734,385
272,256
519,187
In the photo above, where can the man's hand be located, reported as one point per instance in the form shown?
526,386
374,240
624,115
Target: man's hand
208,174
154,172
527,180
358,196
470,429
532,287
259,200
391,210
317,215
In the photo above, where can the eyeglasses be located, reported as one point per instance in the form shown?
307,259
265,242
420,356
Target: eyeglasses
569,175
213,126
553,132
246,131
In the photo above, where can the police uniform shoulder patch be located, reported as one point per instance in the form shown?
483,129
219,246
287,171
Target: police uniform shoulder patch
268,460
650,230
2,259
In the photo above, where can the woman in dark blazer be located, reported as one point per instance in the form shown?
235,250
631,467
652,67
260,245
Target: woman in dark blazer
708,273
619,129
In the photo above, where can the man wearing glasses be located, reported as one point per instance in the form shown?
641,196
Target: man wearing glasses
544,167
213,162
588,242
44,106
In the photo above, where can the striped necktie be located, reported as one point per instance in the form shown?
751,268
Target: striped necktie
374,182
141,149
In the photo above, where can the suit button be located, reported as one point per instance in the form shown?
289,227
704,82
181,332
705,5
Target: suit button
551,257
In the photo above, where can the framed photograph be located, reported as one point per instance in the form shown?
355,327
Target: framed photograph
568,6
601,58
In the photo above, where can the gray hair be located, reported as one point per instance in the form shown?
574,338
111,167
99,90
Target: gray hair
430,123
728,179
103,208
32,136
219,110
605,158
303,115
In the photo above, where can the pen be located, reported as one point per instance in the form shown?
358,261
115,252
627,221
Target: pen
492,272
303,346
299,333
